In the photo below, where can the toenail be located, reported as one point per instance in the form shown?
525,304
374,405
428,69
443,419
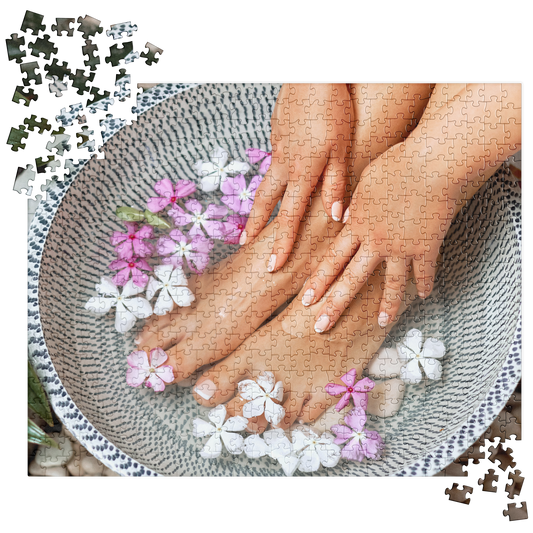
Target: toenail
346,215
137,340
206,389
422,294
242,239
308,297
322,324
272,263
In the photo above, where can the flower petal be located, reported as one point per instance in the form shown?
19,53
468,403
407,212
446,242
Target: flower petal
255,447
210,183
299,440
335,389
139,359
131,289
278,443
164,303
343,433
201,428
214,228
433,348
277,391
237,167
219,156
156,204
432,368
273,412
156,383
255,155
135,377
183,296
139,307
212,448
249,389
349,378
217,415
233,202
165,373
235,423
413,340
174,276
233,186
153,286
411,372
107,287
117,237
254,407
373,445
356,419
164,188
343,402
184,188
124,319
289,463
266,381
157,357
265,164
309,461
233,441
353,451
329,454
364,385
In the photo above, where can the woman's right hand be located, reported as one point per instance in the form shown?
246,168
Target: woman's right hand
311,129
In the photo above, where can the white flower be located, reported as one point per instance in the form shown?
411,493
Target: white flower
220,431
216,170
260,396
275,445
315,450
173,285
128,309
410,349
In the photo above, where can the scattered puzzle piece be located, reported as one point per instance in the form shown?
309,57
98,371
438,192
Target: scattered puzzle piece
503,456
117,30
57,87
67,118
459,495
89,50
99,101
29,69
116,53
89,26
16,135
55,69
122,79
24,176
63,25
488,481
515,487
85,141
60,142
516,513
44,46
151,54
34,22
50,163
32,123
80,81
13,48
26,95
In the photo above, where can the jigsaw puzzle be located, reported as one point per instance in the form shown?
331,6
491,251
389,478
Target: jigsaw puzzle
267,348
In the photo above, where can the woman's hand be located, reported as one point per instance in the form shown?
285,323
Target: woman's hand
311,127
393,217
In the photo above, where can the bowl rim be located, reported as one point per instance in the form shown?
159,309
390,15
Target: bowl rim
111,456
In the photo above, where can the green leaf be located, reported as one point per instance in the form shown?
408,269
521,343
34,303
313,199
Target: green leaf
37,400
38,436
154,220
129,214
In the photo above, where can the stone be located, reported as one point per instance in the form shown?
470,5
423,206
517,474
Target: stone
56,471
386,398
92,466
386,363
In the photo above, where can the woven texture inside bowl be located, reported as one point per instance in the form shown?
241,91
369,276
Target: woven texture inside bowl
474,309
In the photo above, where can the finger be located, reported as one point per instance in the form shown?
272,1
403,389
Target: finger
317,403
267,195
303,177
335,185
346,288
293,406
256,424
395,283
149,335
341,250
424,270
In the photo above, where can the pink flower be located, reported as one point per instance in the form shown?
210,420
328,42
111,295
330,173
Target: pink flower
234,227
131,243
255,155
364,443
357,392
195,250
149,369
169,194
214,228
238,197
133,266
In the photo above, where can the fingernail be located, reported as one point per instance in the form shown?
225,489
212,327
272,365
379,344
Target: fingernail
206,389
322,324
346,215
242,238
308,297
383,319
421,294
271,263
336,211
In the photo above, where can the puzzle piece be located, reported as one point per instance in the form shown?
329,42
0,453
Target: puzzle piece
44,46
488,481
503,455
117,30
29,69
89,50
26,95
13,48
118,53
34,22
122,79
89,26
515,487
24,176
57,87
32,123
66,118
151,54
99,101
516,513
85,141
80,80
60,142
459,495
16,135
55,69
50,163
63,25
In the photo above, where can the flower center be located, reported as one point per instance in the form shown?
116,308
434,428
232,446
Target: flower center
219,430
131,265
198,218
240,226
151,370
132,237
360,435
245,195
173,199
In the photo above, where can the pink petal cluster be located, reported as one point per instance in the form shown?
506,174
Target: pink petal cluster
132,267
149,369
363,443
255,155
131,243
200,219
357,392
195,250
237,195
169,194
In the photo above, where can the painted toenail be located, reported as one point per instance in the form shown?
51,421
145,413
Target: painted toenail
383,319
242,239
272,263
322,324
137,340
336,211
308,297
206,389
422,294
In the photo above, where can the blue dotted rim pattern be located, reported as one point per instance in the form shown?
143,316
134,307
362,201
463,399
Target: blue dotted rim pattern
501,226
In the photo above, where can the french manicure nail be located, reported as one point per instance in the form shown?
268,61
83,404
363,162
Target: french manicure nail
308,297
322,323
242,238
346,215
336,211
137,340
206,389
422,294
383,319
272,263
